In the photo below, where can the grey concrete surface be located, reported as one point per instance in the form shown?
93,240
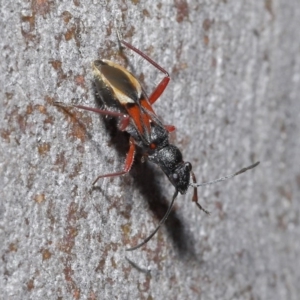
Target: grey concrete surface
234,99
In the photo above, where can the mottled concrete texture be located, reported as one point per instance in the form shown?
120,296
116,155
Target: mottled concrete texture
234,98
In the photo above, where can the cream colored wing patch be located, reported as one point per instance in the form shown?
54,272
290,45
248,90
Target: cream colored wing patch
124,85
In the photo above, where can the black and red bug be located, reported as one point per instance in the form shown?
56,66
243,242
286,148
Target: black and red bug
123,97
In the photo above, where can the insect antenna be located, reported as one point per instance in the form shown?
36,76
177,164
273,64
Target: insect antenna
162,221
140,269
195,184
225,177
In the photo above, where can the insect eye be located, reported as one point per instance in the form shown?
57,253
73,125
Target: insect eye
188,166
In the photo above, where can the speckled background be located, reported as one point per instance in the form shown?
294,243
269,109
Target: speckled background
234,98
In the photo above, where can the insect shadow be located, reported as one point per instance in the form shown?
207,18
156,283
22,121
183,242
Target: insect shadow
145,179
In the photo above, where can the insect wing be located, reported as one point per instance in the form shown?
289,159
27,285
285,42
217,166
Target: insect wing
126,89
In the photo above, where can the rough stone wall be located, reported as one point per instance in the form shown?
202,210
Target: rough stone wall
234,99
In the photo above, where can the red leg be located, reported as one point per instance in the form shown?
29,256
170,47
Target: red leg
195,195
124,118
163,84
159,90
170,128
128,162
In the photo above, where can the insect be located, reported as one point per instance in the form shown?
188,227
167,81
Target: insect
124,98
